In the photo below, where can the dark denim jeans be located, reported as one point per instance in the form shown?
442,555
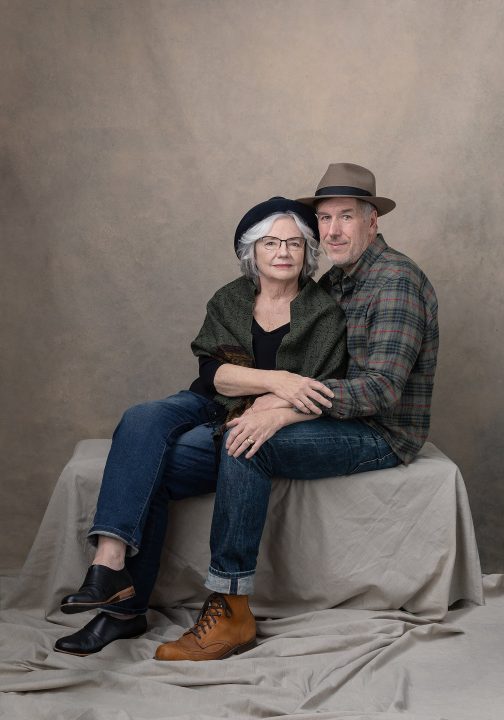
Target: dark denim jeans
164,450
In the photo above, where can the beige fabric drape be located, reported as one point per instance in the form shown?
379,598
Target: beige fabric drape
365,543
400,538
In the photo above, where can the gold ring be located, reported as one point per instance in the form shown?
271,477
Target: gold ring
250,441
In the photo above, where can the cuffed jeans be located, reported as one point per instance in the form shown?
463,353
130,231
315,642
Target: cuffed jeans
165,450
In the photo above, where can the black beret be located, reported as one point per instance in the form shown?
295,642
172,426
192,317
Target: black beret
276,205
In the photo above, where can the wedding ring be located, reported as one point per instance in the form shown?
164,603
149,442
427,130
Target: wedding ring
250,441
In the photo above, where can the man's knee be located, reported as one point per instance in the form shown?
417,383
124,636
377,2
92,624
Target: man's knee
261,459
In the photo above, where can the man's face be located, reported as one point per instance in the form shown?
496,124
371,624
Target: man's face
345,231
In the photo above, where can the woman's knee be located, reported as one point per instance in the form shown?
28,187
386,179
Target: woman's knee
141,418
179,410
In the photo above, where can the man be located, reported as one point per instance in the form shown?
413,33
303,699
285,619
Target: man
391,312
382,406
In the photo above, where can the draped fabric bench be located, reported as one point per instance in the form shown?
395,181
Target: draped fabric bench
388,539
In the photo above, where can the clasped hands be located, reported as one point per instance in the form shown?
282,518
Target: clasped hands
274,410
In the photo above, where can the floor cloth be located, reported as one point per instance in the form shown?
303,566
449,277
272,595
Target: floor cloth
345,648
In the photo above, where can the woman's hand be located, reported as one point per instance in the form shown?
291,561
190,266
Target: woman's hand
300,391
256,426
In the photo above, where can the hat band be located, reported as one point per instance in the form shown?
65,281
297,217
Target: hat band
342,190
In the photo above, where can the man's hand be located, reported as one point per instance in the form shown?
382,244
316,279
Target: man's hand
300,391
256,426
270,401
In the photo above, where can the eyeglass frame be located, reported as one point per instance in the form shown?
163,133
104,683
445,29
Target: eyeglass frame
280,241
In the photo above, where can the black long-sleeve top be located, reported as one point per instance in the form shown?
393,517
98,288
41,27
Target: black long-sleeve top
265,346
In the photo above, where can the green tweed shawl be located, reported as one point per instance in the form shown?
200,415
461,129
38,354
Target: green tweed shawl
314,347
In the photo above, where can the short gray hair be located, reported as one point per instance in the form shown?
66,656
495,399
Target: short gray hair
366,208
246,245
363,206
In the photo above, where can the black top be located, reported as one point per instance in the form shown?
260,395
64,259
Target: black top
265,346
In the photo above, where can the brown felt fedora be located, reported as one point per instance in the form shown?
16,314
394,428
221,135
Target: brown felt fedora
353,181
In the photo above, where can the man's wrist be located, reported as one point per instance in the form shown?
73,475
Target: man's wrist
293,415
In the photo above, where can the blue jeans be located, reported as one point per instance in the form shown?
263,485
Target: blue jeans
165,450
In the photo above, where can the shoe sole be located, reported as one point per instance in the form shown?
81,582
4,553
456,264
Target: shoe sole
76,654
71,608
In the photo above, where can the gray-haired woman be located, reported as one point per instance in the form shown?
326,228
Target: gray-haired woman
268,341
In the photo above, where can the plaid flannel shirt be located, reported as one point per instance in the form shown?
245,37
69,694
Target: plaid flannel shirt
392,338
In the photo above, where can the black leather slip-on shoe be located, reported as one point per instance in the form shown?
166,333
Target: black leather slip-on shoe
101,586
99,632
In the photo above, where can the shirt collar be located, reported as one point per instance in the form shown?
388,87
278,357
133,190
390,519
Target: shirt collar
361,268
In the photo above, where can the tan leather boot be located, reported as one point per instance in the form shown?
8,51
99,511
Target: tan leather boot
225,627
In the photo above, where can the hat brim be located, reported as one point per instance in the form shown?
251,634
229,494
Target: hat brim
383,205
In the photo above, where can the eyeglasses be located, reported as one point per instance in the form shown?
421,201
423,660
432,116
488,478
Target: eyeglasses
272,244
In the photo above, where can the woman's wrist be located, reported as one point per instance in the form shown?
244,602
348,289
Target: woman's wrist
232,380
269,377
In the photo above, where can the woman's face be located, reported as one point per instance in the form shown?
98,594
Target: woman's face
285,262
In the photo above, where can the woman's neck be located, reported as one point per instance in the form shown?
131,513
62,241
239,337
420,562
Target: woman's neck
272,303
278,290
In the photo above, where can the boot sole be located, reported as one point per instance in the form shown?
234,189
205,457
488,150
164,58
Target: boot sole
234,651
71,608
239,649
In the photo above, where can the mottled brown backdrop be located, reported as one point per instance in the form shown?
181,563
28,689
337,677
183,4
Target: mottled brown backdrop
134,134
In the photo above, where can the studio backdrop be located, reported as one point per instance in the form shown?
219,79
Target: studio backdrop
134,135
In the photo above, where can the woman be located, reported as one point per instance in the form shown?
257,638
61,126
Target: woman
268,340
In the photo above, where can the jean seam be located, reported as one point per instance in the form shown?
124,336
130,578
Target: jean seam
149,494
174,432
226,575
374,460
321,438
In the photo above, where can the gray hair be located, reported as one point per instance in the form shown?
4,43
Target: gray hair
363,206
366,208
246,245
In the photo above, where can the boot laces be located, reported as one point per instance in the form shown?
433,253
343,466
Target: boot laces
214,606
